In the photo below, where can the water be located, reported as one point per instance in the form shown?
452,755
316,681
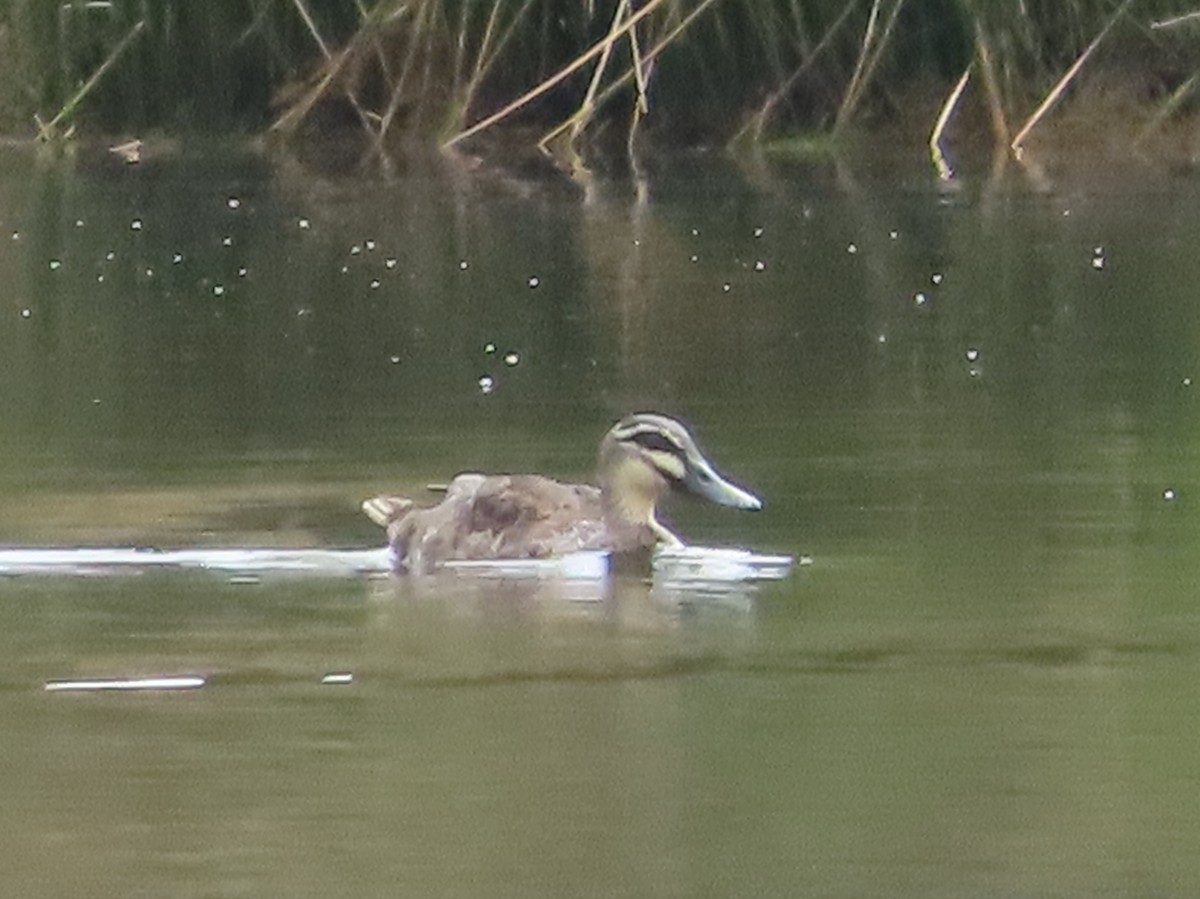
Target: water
973,409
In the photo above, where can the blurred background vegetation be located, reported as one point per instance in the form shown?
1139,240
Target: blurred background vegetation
686,71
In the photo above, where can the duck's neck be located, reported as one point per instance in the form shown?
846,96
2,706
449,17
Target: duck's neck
630,493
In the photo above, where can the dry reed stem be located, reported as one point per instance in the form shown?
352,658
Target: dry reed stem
46,130
584,113
1057,91
558,77
298,111
758,122
460,50
587,109
381,57
641,109
628,74
945,172
630,139
397,96
864,73
991,87
641,183
859,64
640,78
334,64
881,46
486,57
482,62
1175,20
1168,107
311,24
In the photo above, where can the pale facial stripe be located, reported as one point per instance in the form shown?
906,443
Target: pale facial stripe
661,448
668,463
666,440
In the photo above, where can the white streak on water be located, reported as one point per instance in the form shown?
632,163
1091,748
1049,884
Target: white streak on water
697,565
674,565
100,560
182,682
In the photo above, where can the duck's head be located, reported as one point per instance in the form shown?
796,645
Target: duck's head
646,455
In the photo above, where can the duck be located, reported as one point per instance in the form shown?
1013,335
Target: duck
487,517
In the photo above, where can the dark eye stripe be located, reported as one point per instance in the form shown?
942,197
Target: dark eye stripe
652,440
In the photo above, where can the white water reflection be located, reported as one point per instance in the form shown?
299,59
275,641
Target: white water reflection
128,684
98,561
671,567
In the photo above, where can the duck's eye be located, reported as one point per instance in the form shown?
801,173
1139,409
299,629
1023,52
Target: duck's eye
652,440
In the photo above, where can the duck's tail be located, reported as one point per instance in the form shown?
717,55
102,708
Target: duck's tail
383,510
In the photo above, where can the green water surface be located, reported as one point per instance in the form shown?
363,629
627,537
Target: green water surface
972,408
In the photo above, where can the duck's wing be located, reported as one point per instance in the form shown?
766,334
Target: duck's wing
492,517
530,517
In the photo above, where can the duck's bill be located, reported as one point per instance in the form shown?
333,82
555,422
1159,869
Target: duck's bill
704,481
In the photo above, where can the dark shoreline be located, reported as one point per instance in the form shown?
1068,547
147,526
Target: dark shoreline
1121,141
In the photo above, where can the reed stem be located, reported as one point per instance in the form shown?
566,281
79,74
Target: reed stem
1057,91
47,131
944,170
558,77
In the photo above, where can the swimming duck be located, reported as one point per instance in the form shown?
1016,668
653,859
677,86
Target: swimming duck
485,517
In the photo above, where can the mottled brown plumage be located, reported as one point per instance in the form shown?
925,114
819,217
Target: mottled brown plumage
529,516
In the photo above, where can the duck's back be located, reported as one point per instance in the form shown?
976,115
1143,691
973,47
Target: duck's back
501,517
